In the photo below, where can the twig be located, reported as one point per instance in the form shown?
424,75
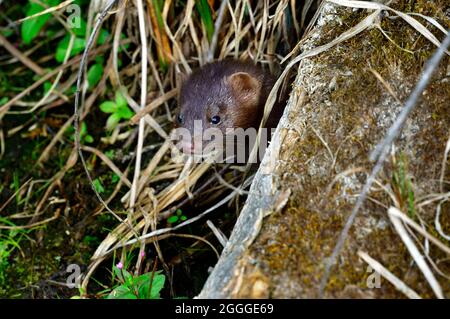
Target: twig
80,79
46,11
15,194
20,56
4,108
153,105
405,219
379,268
167,214
144,65
219,235
35,224
414,251
162,231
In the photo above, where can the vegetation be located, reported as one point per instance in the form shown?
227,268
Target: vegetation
50,214
128,214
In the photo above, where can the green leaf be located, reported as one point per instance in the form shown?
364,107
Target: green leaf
110,154
94,74
83,132
47,86
121,292
50,33
125,113
72,89
7,32
122,274
172,219
112,121
83,129
108,107
4,100
143,284
123,46
81,31
89,139
102,36
115,178
206,17
63,45
31,28
100,59
98,186
183,218
90,240
81,2
157,286
120,99
411,200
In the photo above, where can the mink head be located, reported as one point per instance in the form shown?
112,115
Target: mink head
225,94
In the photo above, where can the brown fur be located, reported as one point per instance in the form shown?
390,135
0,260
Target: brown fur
234,90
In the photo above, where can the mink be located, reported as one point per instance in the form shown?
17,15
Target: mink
225,94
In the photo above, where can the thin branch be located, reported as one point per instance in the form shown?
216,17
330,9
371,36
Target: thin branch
144,64
398,284
414,252
20,56
77,107
162,231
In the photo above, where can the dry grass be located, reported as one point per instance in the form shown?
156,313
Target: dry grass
180,43
174,41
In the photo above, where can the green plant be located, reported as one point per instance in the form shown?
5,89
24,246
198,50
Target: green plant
79,43
145,286
94,74
115,178
9,241
91,240
119,110
3,100
30,28
206,16
163,48
110,154
16,186
98,186
85,137
402,185
179,216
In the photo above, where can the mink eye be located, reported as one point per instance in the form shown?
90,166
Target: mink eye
215,119
180,118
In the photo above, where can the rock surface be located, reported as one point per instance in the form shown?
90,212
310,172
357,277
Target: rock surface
342,103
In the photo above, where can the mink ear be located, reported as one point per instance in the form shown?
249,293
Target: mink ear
246,88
